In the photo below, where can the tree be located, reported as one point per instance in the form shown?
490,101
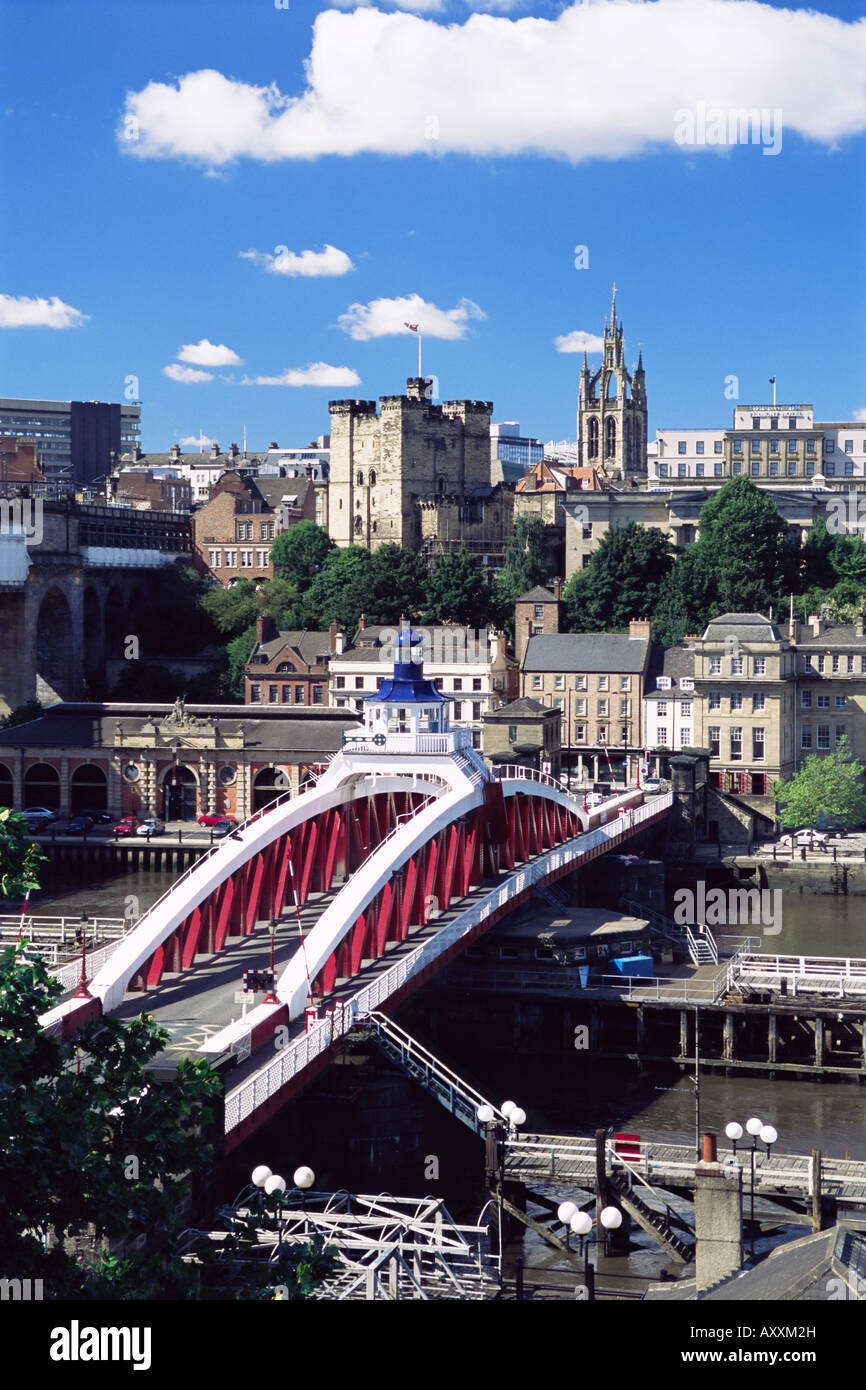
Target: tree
339,592
19,856
174,621
299,553
749,549
458,591
22,714
397,584
623,580
686,599
233,609
832,784
238,651
525,561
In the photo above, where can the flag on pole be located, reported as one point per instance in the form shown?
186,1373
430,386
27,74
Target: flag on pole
415,328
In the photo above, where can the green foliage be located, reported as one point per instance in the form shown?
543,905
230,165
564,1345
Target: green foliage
174,621
397,585
623,580
832,783
233,609
299,553
67,1138
238,653
458,591
19,856
340,590
525,561
749,549
22,714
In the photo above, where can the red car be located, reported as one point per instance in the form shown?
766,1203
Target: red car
214,818
127,826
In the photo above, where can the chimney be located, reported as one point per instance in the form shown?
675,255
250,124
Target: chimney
718,1218
339,642
816,623
860,626
214,450
266,628
332,633
273,444
639,627
557,588
362,622
136,452
234,450
174,451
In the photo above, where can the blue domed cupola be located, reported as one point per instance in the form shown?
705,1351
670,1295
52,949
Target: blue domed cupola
407,702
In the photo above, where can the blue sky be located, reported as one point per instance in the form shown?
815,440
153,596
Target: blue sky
455,156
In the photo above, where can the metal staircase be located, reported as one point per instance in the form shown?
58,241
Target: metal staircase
554,895
416,1061
651,1221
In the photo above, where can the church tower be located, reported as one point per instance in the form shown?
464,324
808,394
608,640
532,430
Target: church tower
612,412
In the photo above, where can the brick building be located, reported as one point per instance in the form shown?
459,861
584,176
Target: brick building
151,489
288,668
234,531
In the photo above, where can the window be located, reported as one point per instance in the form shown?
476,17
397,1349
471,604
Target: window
681,470
717,446
713,736
699,446
840,701
231,560
830,468
863,666
717,470
774,422
579,733
840,734
736,743
287,694
601,708
580,706
758,701
602,733
662,709
359,682
272,694
715,665
625,682
263,558
736,701
792,422
757,745
810,446
536,682
849,468
738,446
458,683
458,709
512,733
736,665
835,662
663,735
774,468
774,446
756,446
580,682
624,710
759,666
286,668
476,709
810,467
823,736
663,470
806,736
685,737
850,664
737,468
756,422
821,665
823,701
681,446
849,446
699,470
756,469
255,694
299,695
714,700
341,682
318,695
215,558
559,682
623,733
476,682
602,683
538,610
686,710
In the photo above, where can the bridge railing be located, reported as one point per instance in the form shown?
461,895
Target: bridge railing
450,741
397,826
294,1058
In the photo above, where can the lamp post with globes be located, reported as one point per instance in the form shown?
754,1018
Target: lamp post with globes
273,1185
580,1223
756,1129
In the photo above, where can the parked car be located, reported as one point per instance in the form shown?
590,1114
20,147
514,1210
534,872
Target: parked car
127,826
79,825
223,828
39,813
151,826
814,839
833,825
98,817
215,818
651,784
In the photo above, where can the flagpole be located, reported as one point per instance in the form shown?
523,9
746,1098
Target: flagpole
419,351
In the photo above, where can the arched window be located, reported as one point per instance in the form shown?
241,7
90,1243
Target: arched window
592,444
611,387
440,485
610,437
372,477
360,480
285,667
358,525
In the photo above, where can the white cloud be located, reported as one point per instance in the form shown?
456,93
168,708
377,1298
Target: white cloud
21,312
400,84
207,354
316,374
330,261
185,374
382,317
195,441
578,341
859,414
419,6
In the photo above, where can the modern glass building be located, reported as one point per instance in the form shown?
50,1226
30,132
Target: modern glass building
75,440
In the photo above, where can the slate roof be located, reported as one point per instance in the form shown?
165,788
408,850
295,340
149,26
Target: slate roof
834,635
537,595
523,708
749,627
586,652
314,648
817,1268
674,662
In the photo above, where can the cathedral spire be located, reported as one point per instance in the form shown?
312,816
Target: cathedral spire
613,311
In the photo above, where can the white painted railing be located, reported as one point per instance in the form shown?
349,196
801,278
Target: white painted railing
843,976
449,742
293,1059
70,974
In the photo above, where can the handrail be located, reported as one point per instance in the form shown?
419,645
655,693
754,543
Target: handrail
411,1045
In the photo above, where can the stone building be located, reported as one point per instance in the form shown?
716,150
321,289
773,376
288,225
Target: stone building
612,412
523,732
537,613
669,702
234,531
384,463
152,489
173,761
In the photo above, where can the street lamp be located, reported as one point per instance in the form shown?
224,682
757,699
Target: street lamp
579,1223
756,1129
271,996
514,1117
82,991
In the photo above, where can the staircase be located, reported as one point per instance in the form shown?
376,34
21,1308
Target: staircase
702,946
473,765
554,895
651,1221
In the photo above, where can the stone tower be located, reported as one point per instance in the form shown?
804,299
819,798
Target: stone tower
385,464
612,413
